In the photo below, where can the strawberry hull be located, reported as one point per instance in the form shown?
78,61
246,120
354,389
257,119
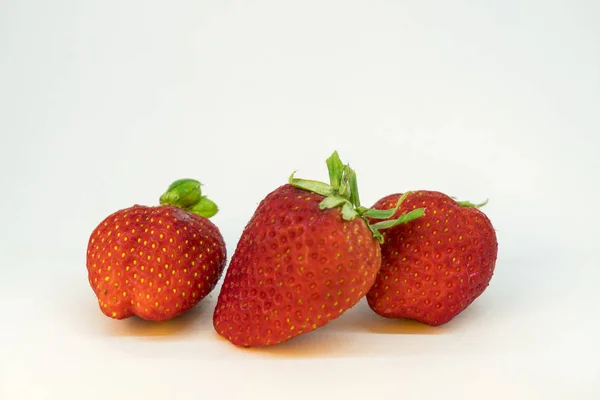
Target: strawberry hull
296,267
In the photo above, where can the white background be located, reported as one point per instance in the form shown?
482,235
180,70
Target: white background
104,103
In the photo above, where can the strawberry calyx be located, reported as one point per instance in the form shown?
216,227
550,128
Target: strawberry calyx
342,191
187,194
469,204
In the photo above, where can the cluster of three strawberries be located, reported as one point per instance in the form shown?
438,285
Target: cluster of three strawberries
309,253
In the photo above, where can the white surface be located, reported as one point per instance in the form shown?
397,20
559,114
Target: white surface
103,104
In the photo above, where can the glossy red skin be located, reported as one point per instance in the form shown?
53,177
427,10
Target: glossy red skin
153,262
435,266
295,268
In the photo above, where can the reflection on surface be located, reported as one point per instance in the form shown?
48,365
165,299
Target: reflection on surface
358,332
402,327
318,343
345,336
191,323
182,325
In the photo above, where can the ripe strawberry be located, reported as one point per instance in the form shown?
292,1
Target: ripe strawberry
435,267
303,259
157,262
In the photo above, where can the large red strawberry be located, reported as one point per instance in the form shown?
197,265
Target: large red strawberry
157,262
306,256
436,266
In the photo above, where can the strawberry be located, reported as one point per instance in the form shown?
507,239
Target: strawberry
157,262
435,267
305,257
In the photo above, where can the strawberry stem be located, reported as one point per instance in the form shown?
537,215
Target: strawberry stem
342,191
187,194
335,166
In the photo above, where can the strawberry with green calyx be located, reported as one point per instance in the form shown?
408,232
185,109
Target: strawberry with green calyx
306,256
157,262
434,268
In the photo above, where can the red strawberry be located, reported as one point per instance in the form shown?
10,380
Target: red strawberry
436,266
157,262
303,259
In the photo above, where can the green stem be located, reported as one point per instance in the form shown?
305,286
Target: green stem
335,166
342,191
187,194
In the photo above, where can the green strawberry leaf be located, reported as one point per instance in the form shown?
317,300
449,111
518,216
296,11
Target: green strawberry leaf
379,214
312,186
348,212
205,208
332,202
404,218
469,204
384,214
